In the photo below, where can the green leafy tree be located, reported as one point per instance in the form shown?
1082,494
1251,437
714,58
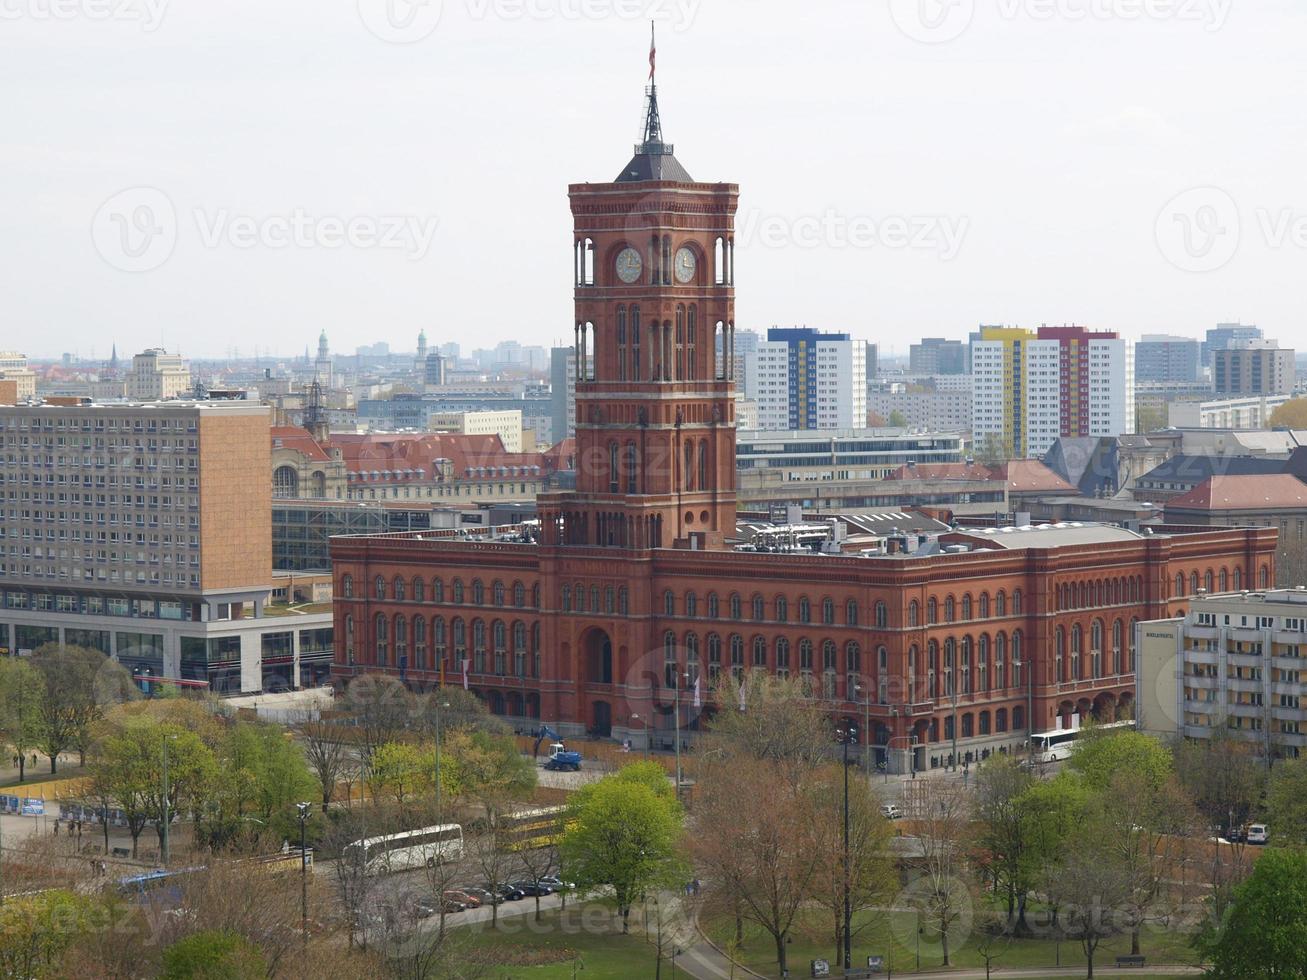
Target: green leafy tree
261,776
1291,415
1101,754
1263,935
36,931
1286,802
1005,825
213,955
898,420
1051,810
624,835
22,694
402,770
1223,774
488,769
79,685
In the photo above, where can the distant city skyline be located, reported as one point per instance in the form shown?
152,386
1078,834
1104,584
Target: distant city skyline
294,171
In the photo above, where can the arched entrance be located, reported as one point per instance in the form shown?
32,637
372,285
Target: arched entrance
598,657
602,714
1105,707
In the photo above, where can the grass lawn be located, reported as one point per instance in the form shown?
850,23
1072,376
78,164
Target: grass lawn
894,936
589,935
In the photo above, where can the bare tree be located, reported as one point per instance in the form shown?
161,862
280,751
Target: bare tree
380,707
942,820
539,863
494,864
1092,888
328,755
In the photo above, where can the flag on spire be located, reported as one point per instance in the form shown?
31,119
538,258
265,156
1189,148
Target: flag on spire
653,50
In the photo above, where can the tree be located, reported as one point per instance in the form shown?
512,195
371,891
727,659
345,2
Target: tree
1263,935
1101,754
403,770
624,835
494,863
991,450
1286,801
261,776
487,768
538,863
1090,886
328,756
942,824
1291,415
1050,812
381,707
779,721
21,696
213,955
898,420
758,842
1223,775
36,931
79,685
1000,784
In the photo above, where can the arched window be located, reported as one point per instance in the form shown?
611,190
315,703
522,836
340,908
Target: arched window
1096,649
1000,604
882,615
457,591
932,669
1018,718
932,611
982,664
498,592
437,590
519,594
759,611
691,605
1017,663
1000,662
914,613
737,656
419,590
610,600
1016,603
1118,631
478,593
950,610
632,467
966,608
966,665
671,667
805,657
829,665
828,611
382,645
519,649
760,652
984,605
1265,577
438,641
401,641
1059,654
379,587
713,611
1000,720
1193,583
805,610
782,607
479,646
782,657
950,665
1179,584
1225,580
851,612
399,589
1238,579
347,586
669,603
567,598
984,723
349,639
736,609
714,658
692,656
285,482
1077,645
623,601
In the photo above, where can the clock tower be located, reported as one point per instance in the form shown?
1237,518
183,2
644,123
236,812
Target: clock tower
654,338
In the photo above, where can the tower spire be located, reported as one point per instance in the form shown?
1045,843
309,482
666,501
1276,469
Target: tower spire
653,127
654,158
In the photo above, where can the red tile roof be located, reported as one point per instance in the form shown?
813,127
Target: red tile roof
1265,492
1027,475
293,437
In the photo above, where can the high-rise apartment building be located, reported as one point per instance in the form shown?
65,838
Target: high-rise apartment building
1031,387
145,532
1223,335
562,392
935,355
156,375
1159,357
1253,367
805,379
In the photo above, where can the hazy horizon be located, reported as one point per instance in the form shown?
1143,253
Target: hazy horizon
211,180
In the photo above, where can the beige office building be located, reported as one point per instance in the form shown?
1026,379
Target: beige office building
156,375
1233,663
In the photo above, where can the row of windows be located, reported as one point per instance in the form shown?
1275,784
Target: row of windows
404,590
404,642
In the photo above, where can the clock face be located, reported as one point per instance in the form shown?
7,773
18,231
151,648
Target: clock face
629,265
685,265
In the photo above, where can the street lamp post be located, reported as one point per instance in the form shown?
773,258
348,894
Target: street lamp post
304,809
866,728
845,734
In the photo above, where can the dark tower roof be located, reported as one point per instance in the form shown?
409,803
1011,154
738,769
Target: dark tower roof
654,159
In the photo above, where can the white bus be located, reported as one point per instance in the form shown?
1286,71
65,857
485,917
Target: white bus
410,849
1060,742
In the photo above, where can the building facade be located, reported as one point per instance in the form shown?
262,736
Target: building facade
156,375
1233,665
1162,358
935,355
1250,412
629,603
805,379
1031,387
1224,334
1253,367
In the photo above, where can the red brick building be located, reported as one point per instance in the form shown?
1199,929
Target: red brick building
630,583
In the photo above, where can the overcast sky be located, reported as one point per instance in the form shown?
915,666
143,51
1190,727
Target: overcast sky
218,176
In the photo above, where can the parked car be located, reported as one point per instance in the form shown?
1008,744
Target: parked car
481,895
422,908
531,889
891,811
468,901
557,883
510,893
449,906
1258,833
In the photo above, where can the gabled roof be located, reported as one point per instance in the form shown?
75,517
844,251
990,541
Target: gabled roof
1267,492
293,437
1024,475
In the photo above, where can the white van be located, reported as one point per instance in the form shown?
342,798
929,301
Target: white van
1258,833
